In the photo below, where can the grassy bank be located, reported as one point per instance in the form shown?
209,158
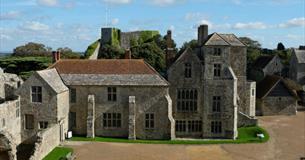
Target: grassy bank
57,153
246,135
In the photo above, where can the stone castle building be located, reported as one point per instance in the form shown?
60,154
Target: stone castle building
209,88
206,95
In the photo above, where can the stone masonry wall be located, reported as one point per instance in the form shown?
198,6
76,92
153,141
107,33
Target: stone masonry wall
275,66
278,106
45,111
47,140
10,117
147,100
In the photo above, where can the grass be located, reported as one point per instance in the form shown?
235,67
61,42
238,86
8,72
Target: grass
57,153
246,135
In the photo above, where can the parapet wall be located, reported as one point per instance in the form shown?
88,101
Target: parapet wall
47,140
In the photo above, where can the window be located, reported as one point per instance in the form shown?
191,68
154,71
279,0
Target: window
3,122
43,125
149,121
217,51
180,126
216,104
29,121
194,126
112,120
17,109
72,95
72,119
216,127
217,68
36,94
187,70
253,92
111,94
187,100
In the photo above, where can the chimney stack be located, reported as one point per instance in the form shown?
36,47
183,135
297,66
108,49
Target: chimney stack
55,56
127,54
170,51
203,32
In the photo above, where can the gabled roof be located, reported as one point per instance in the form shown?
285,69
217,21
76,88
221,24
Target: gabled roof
232,40
265,86
300,55
52,78
262,61
185,53
130,72
217,39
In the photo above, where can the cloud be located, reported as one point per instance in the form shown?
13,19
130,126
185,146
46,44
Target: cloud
250,25
164,2
11,15
35,26
5,37
118,1
295,22
195,16
49,3
115,21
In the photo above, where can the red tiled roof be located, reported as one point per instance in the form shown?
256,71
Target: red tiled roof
103,66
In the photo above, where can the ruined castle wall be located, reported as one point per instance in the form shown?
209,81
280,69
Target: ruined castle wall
47,140
10,119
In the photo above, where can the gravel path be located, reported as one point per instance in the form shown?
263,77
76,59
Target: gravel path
287,142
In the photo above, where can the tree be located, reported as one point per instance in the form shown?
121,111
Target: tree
111,52
280,47
250,42
67,52
32,49
191,44
151,53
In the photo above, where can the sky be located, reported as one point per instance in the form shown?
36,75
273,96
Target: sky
77,23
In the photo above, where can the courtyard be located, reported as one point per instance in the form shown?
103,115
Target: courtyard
287,142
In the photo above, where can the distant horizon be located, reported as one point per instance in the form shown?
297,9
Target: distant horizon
66,23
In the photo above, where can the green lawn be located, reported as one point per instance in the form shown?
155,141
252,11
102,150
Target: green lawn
246,135
57,153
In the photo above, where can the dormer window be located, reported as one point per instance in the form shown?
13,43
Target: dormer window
217,51
188,70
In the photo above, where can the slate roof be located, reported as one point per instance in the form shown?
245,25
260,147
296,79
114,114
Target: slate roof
224,39
232,39
270,81
127,72
52,78
262,61
300,55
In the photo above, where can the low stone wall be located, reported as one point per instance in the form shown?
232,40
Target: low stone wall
245,120
47,140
